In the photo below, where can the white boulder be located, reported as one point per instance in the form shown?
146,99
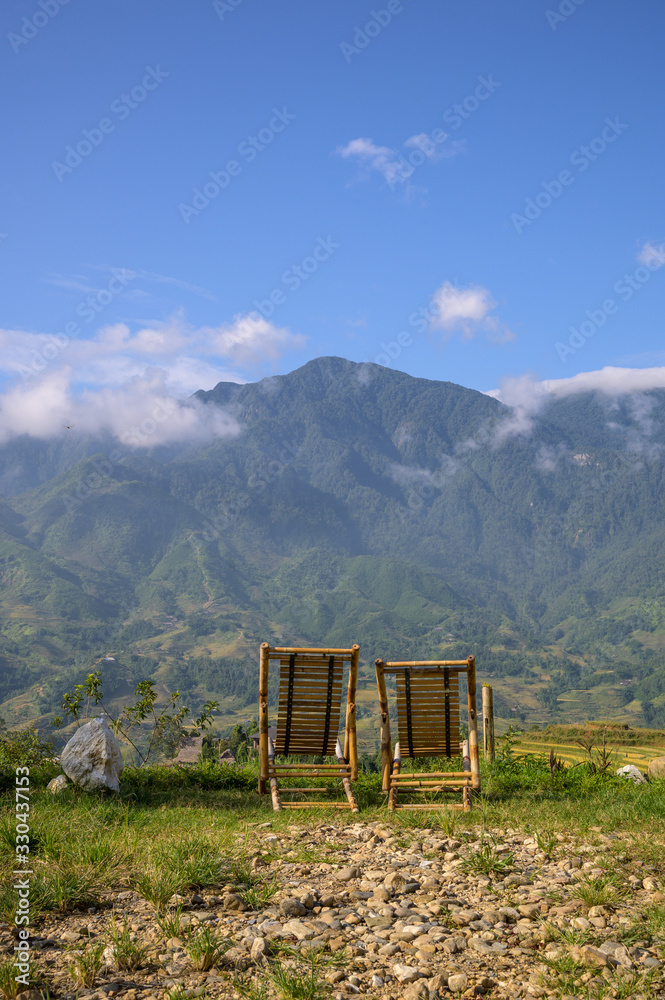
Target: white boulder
656,768
56,785
92,758
633,773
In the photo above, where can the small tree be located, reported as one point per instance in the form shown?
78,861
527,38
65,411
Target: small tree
165,724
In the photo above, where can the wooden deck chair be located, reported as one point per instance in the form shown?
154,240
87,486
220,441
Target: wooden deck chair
310,696
428,719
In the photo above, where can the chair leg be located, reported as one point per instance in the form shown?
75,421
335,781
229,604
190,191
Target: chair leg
466,766
397,765
345,781
274,787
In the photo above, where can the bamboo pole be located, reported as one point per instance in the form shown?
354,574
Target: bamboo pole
466,763
488,723
397,763
274,787
473,724
313,649
350,736
431,785
263,717
424,805
386,745
345,780
426,663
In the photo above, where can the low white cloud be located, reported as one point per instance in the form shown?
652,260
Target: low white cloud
414,477
527,397
548,456
469,310
186,354
107,380
609,380
140,414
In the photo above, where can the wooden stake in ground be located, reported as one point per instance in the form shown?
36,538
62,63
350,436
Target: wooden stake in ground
488,722
263,718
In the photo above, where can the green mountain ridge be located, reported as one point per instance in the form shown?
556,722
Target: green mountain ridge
358,504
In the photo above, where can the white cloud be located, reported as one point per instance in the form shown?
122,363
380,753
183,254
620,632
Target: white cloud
191,357
395,167
116,377
252,339
141,413
610,381
455,307
83,282
652,254
468,310
526,397
414,477
374,157
548,457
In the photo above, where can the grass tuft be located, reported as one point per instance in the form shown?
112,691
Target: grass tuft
157,887
485,860
601,890
128,955
205,949
86,965
8,983
294,983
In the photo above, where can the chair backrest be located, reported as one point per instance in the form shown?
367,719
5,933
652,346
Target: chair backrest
428,711
310,695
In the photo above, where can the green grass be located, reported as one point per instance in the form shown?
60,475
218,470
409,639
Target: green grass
297,981
205,838
603,890
205,948
85,967
157,887
128,954
170,923
259,895
486,861
8,984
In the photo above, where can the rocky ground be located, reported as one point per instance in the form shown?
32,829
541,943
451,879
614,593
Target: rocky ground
398,915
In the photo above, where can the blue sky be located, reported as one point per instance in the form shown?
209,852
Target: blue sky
356,211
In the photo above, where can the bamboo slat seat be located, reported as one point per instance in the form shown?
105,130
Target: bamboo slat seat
308,720
428,724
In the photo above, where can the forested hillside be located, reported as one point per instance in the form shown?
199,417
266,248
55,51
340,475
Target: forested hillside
357,504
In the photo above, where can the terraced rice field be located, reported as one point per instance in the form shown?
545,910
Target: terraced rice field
571,753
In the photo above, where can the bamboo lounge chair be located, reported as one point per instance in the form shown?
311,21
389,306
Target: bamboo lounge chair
428,718
310,695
